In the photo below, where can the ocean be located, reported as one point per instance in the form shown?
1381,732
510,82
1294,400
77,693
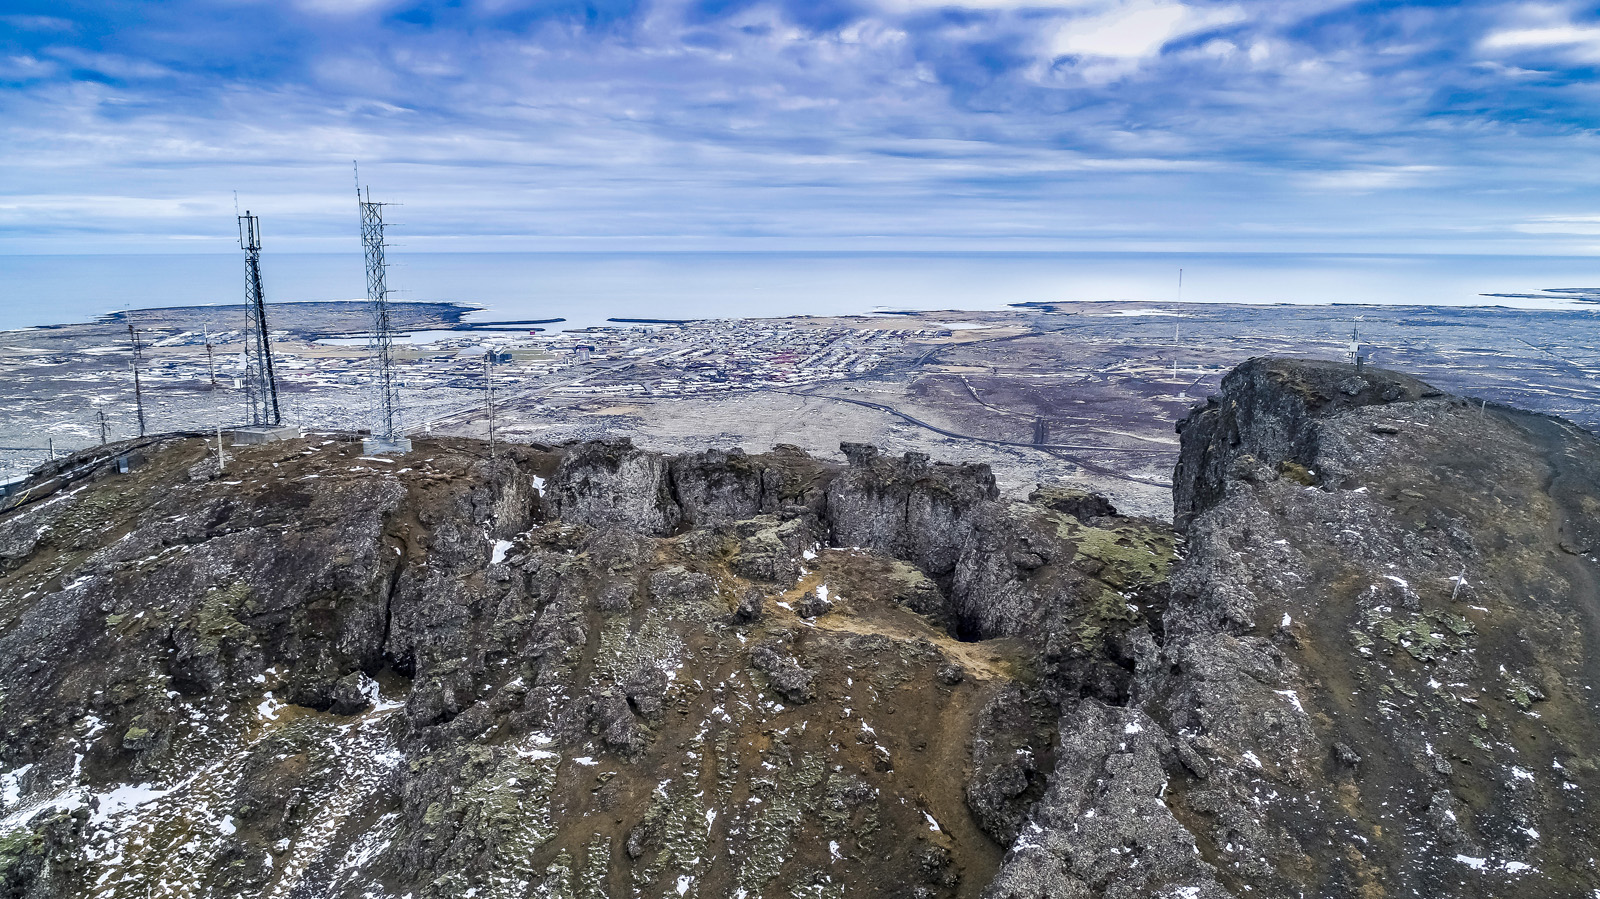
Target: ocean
588,288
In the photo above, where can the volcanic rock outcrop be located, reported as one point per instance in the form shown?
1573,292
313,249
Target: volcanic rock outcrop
1365,668
1378,665
586,670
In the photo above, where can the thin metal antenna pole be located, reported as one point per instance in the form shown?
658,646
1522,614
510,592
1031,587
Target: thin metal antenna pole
222,460
103,440
211,362
488,381
138,389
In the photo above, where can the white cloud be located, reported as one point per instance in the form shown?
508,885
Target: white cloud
1371,178
1574,224
340,7
1584,41
908,5
1134,29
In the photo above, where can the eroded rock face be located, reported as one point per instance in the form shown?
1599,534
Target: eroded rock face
321,675
723,674
1384,632
1274,409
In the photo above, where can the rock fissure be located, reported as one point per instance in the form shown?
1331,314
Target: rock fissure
1361,668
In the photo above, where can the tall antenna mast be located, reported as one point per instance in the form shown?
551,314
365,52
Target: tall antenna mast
488,384
138,389
260,382
387,436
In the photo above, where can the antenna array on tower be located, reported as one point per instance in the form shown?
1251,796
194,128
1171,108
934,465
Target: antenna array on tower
260,382
387,435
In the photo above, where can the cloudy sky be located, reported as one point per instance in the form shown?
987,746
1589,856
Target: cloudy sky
816,124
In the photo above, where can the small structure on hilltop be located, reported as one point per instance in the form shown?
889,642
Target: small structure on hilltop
260,381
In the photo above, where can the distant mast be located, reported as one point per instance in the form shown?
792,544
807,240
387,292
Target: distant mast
260,382
387,435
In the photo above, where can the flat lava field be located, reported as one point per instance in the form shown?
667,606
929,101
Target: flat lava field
1085,394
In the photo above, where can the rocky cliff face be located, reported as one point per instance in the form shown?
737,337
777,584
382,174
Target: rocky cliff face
592,670
576,671
1378,663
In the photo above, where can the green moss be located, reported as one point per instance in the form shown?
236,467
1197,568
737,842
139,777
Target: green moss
789,796
214,621
678,817
1522,693
20,851
1294,471
591,882
1426,637
92,513
1131,555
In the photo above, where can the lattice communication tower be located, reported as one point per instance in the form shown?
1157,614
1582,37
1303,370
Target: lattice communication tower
260,382
387,435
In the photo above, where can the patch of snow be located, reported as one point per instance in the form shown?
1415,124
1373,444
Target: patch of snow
1516,867
1251,758
11,785
833,850
1521,773
226,826
586,761
538,483
500,547
123,799
932,824
269,707
1476,864
1293,698
684,882
808,554
1132,727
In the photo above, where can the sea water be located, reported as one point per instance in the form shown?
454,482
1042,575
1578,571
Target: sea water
589,288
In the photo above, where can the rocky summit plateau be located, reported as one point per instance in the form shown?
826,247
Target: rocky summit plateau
1360,661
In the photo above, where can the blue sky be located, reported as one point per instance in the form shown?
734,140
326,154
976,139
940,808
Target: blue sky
830,124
